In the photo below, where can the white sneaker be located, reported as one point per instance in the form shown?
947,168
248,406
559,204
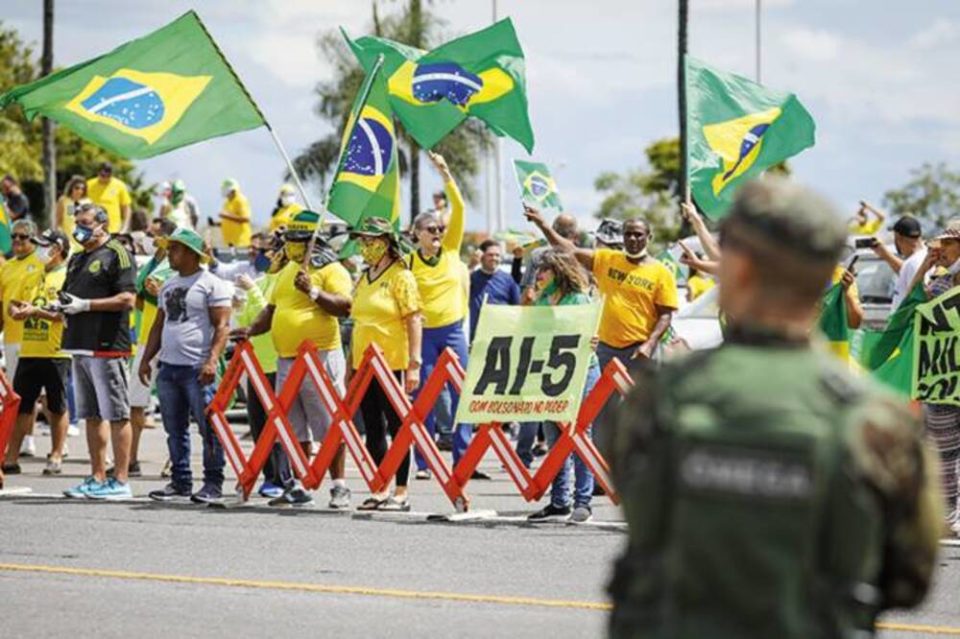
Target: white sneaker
73,430
29,447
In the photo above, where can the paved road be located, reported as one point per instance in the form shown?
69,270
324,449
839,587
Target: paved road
109,570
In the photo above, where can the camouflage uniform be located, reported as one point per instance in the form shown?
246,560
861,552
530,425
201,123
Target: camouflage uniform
768,492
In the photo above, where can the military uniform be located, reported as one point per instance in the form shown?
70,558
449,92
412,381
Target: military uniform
768,493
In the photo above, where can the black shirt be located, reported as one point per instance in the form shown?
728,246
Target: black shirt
18,205
102,272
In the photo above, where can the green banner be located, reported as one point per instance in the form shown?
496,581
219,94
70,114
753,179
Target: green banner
528,363
936,354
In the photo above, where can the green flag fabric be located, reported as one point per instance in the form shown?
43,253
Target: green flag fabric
151,95
736,129
537,186
667,259
888,354
367,183
481,75
6,242
833,321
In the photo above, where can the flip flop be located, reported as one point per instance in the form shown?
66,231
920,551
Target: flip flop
372,503
392,504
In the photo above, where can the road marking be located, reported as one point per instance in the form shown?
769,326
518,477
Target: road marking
376,592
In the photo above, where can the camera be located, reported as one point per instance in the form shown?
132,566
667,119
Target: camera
866,242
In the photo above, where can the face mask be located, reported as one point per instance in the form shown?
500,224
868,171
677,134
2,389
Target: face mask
44,257
83,234
295,251
373,252
287,200
261,262
636,256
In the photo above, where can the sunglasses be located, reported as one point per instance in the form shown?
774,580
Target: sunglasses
434,230
21,236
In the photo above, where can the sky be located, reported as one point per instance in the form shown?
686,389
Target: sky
878,77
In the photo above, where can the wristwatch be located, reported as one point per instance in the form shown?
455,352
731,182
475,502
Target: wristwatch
416,362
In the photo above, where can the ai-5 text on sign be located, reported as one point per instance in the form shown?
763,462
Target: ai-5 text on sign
528,363
936,357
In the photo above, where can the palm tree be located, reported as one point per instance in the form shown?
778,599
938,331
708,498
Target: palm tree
416,27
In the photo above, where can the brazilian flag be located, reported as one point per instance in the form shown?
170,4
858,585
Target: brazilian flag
888,354
833,321
537,186
367,183
160,92
736,129
6,242
481,75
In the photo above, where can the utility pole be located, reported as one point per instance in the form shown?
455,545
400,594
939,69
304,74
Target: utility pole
49,148
501,221
682,95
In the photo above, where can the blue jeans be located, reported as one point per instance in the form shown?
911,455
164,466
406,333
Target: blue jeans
435,340
181,396
526,438
583,478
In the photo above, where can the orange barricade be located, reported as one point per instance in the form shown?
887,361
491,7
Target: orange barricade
9,405
308,368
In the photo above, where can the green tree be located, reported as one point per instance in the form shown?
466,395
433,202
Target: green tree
932,194
21,138
414,26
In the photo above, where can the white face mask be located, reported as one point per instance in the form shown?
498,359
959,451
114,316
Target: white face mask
226,192
44,256
636,256
287,199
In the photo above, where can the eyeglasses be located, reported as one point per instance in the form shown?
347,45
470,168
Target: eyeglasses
20,236
434,230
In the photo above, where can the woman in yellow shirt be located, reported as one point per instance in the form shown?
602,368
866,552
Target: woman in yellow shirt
386,312
437,267
74,194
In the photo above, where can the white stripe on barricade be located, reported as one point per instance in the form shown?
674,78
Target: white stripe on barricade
509,460
227,443
292,448
265,396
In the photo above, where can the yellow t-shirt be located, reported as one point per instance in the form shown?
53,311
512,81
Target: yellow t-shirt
297,317
111,196
236,233
18,277
631,294
42,338
379,310
283,216
869,228
699,285
838,274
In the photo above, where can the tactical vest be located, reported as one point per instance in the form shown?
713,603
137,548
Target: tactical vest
744,520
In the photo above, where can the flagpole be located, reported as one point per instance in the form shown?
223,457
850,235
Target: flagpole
266,123
682,100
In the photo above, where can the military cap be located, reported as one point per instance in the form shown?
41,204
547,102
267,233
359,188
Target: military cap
789,217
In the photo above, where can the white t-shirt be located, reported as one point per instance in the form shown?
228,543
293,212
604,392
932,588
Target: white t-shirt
907,272
186,303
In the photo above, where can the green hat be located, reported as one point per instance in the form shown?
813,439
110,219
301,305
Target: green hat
189,238
302,225
781,215
178,186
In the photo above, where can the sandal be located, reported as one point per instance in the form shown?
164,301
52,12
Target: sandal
372,503
392,504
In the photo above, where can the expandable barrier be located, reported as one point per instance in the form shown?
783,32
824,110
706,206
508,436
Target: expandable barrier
308,368
9,405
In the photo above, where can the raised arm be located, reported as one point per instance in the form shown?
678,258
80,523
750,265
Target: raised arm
707,241
584,256
454,236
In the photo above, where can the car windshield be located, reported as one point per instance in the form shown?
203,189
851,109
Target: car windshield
875,279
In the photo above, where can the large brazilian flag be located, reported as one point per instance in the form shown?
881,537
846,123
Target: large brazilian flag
736,129
367,182
151,95
481,75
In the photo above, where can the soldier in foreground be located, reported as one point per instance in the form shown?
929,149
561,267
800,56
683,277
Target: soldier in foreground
768,492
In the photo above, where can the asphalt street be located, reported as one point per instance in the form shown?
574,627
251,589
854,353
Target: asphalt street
88,569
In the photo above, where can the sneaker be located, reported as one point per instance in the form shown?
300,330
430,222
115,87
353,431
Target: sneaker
340,497
110,490
133,470
424,474
445,443
479,474
80,490
53,467
270,490
581,515
73,430
29,447
167,471
12,469
170,492
549,512
540,449
208,494
296,497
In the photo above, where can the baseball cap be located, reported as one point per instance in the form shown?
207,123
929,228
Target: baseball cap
189,238
51,237
907,226
105,167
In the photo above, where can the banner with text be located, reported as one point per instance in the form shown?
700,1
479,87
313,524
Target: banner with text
936,354
528,363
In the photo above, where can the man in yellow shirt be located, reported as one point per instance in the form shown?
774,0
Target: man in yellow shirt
43,366
861,224
639,292
112,195
304,306
235,216
287,207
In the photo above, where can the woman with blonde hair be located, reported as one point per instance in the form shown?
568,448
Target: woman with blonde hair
74,194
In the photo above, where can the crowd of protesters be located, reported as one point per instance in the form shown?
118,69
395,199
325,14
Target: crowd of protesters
91,337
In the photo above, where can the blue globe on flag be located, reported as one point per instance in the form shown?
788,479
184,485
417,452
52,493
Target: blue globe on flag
749,142
369,149
130,103
434,82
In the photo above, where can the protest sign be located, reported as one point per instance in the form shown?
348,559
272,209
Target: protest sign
528,363
936,355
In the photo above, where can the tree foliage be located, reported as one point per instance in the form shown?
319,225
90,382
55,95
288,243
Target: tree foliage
21,139
415,26
932,194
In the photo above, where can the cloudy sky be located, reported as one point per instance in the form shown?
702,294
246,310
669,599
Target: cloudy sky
879,78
